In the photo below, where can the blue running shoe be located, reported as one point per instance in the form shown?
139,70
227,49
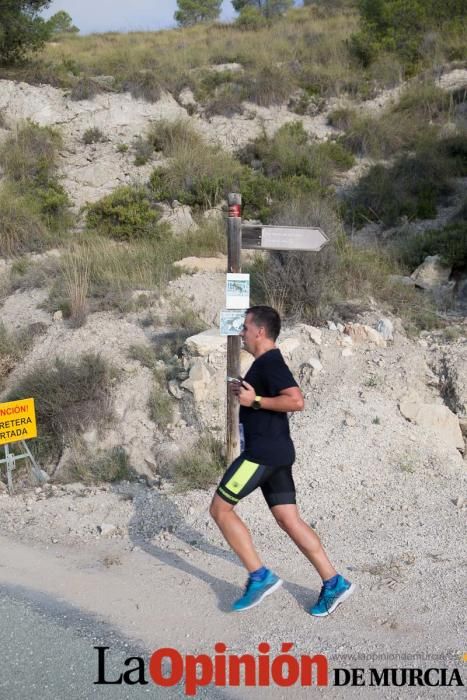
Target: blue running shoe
255,591
330,598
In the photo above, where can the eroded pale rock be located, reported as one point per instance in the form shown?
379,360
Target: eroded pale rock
311,332
386,328
288,346
199,381
205,343
436,418
179,218
432,273
362,334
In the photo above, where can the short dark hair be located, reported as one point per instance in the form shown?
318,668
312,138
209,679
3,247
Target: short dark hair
268,317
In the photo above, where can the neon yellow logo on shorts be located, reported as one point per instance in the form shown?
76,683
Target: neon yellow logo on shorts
242,476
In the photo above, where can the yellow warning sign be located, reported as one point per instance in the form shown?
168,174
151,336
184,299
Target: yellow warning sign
17,421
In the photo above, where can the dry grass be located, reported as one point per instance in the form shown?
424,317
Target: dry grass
308,47
71,396
76,267
9,352
21,229
30,153
200,466
103,466
107,271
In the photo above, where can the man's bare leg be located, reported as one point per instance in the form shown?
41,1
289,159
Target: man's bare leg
235,532
288,518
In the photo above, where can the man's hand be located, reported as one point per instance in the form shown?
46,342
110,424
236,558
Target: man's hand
244,392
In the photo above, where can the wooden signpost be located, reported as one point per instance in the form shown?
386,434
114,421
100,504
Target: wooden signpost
257,238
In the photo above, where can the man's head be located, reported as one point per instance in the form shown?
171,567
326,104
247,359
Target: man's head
260,330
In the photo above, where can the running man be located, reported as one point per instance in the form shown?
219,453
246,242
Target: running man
266,394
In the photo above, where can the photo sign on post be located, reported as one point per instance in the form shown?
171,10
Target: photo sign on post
237,300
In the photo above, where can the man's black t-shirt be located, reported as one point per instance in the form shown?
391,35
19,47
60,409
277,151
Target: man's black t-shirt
267,435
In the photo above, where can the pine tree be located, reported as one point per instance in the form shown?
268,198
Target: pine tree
193,11
268,8
21,28
62,23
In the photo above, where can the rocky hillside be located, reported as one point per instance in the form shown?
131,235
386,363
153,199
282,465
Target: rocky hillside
88,172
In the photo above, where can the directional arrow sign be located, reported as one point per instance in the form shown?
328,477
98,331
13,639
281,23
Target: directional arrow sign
283,238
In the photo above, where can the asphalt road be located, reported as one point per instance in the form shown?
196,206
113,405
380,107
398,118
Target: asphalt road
47,653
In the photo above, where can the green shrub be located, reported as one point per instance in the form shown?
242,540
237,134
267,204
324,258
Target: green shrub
199,466
196,176
299,284
21,229
258,193
145,84
144,354
30,274
382,136
411,187
107,466
268,85
160,406
29,159
84,89
15,344
222,92
250,18
450,243
401,26
171,137
93,135
412,123
308,286
9,353
70,396
341,118
227,102
30,155
332,155
53,204
291,153
126,214
186,319
454,148
143,150
211,80
371,273
424,101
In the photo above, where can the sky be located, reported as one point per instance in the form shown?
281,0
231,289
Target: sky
123,15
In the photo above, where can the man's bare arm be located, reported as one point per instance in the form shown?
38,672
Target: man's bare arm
289,400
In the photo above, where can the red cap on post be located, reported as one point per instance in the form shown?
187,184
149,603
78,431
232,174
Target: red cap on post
235,210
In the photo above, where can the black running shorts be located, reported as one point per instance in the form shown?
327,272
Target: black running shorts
244,476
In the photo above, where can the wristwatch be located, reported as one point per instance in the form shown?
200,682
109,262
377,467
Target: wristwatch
257,403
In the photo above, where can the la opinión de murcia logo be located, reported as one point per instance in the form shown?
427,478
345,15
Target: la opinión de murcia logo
167,667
